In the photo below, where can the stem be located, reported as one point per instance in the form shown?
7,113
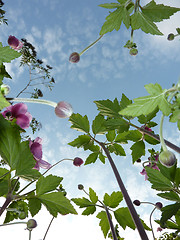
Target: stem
33,100
5,174
129,203
110,223
7,224
48,228
161,134
27,84
30,234
91,45
6,203
150,220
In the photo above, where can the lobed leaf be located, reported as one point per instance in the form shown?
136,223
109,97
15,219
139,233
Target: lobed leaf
138,150
104,223
92,195
91,158
7,54
124,218
98,126
79,122
113,200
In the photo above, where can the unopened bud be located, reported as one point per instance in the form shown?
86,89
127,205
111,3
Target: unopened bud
137,202
80,187
159,205
167,158
170,37
31,224
74,57
133,52
5,89
78,162
63,110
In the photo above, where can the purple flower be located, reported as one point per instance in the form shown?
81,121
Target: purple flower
146,128
63,110
18,112
36,149
78,162
143,172
159,229
14,43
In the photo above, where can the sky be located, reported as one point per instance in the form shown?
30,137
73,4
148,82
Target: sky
57,28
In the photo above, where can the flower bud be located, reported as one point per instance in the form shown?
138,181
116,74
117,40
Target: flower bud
74,57
170,37
63,110
78,162
137,202
133,52
80,187
159,205
167,158
31,224
5,89
22,215
14,43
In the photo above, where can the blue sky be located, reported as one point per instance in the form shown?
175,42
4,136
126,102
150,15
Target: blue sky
57,28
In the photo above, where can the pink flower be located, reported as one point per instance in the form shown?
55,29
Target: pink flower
143,172
14,43
146,128
159,229
18,112
78,162
63,110
36,149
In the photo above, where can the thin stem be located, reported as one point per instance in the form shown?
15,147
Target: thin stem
30,234
6,203
129,203
7,224
5,174
110,223
150,220
91,45
48,228
27,83
32,100
161,134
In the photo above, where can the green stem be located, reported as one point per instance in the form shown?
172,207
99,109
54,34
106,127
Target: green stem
91,45
48,228
161,134
33,100
7,224
150,220
30,234
5,174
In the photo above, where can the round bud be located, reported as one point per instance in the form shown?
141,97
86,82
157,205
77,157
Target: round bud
80,187
78,162
63,110
31,224
74,57
5,89
159,205
137,202
138,160
22,215
167,158
170,37
133,52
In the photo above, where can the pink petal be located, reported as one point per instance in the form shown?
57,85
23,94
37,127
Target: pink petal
43,164
23,121
63,110
38,140
19,108
36,150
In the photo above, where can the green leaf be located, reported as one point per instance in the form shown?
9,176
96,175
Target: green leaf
117,123
117,149
158,12
34,206
80,141
145,119
108,108
79,122
91,158
3,73
47,184
125,101
104,223
138,150
89,210
113,200
169,211
177,177
159,182
56,202
167,172
124,218
98,126
142,21
175,116
102,157
147,104
7,54
111,135
3,102
4,187
82,202
172,196
109,5
92,195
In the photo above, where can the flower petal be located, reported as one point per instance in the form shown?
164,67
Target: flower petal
44,164
63,110
23,121
19,108
36,149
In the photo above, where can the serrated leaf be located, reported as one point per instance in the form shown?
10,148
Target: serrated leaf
91,158
34,206
47,184
117,123
158,12
89,210
144,119
154,89
80,141
56,202
109,5
175,116
119,150
82,202
147,104
172,196
92,195
3,102
158,180
104,223
79,122
3,73
124,218
169,211
111,135
108,108
125,101
140,20
102,157
113,200
169,173
138,150
98,126
7,54
177,176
